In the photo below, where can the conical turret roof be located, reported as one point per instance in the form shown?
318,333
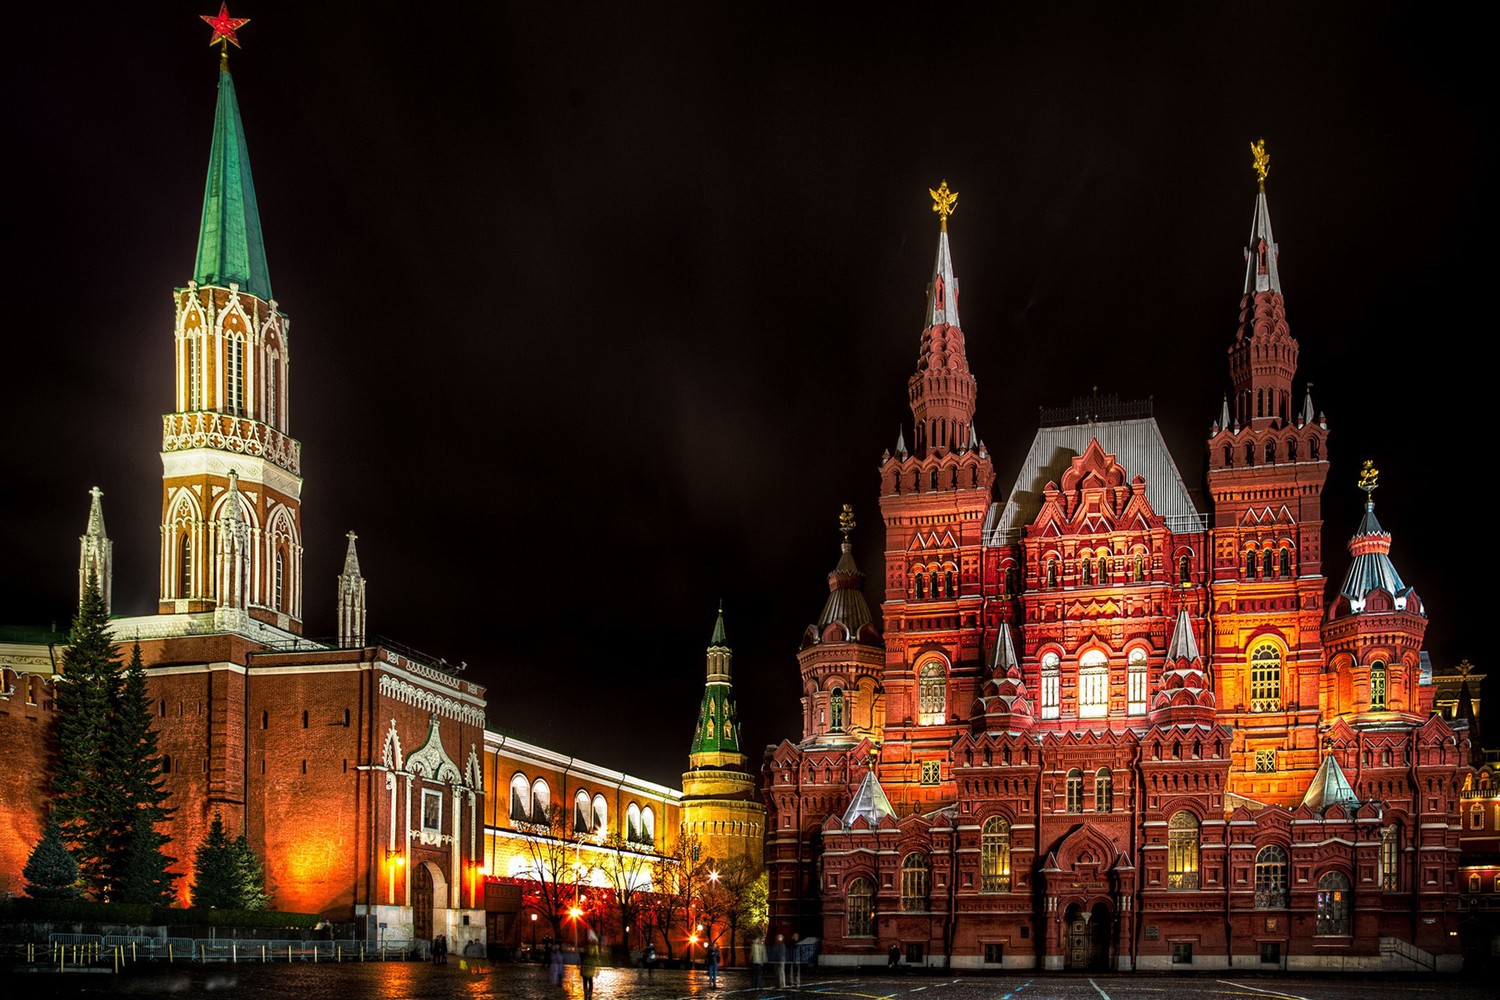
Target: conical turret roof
869,802
230,247
1330,788
1371,568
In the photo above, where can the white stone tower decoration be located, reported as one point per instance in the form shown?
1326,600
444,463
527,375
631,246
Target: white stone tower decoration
96,553
351,605
231,591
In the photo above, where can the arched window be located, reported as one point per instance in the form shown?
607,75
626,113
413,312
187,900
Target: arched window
520,799
1075,791
1270,878
1229,455
1249,453
1312,449
1051,686
1135,682
916,876
1093,685
304,718
1184,570
648,826
271,400
919,586
234,375
633,823
265,716
1390,858
950,588
1052,573
541,802
1286,563
936,585
581,812
1104,569
1251,564
1333,904
932,693
1138,574
994,855
1265,678
1182,851
195,377
1104,791
934,479
185,566
1268,566
1291,449
1086,572
1270,452
859,908
279,578
836,710
601,815
1377,686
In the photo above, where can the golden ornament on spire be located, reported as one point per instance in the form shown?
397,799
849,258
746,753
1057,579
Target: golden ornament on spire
846,520
943,202
1262,162
1369,477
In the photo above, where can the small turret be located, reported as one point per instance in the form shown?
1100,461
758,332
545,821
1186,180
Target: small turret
96,553
1003,704
1184,696
351,599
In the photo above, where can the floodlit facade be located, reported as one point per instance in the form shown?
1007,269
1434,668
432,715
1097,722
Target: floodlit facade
1107,727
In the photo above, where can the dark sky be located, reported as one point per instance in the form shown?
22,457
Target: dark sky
600,311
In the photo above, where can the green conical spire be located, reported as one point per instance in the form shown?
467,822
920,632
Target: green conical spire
719,637
230,247
718,729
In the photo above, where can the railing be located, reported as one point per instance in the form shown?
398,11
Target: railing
202,429
1095,408
66,950
1409,952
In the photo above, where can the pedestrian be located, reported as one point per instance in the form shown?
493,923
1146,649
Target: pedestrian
588,965
650,960
893,957
778,959
437,945
757,960
556,970
442,949
713,966
795,958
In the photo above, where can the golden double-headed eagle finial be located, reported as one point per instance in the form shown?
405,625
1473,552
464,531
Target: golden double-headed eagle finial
943,202
1369,477
1262,161
846,520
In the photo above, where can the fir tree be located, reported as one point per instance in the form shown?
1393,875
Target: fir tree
249,877
51,872
88,803
142,868
215,870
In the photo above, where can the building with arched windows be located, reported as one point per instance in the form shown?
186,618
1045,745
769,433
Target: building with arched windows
1109,725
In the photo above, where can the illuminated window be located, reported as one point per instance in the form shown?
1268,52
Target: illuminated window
279,578
1270,879
272,409
432,808
1390,858
520,799
1074,802
1138,574
836,710
185,565
1182,851
1265,678
1286,563
541,802
234,375
931,693
1333,904
994,855
860,908
1377,686
1476,816
633,823
1474,883
1086,572
601,815
1103,569
1104,791
648,826
931,773
1051,686
916,876
1265,761
195,378
1052,574
1136,682
1093,685
582,812
1184,570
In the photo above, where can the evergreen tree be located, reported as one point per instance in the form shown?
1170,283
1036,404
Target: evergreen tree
249,877
51,872
88,803
215,870
134,763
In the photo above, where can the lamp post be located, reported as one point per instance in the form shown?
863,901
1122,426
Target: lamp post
533,932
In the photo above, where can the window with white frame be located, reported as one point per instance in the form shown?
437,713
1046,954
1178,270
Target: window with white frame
1051,686
582,812
633,823
541,802
916,877
234,375
1093,685
932,682
601,816
1377,686
1136,682
1265,678
520,799
432,811
1390,857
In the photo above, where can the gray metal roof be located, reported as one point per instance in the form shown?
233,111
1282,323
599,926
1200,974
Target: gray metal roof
870,802
846,603
1330,788
1372,569
1137,445
1260,228
942,270
1184,645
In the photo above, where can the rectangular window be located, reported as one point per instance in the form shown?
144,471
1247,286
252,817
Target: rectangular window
1051,692
234,376
432,810
1182,953
914,954
1137,691
1270,952
930,772
1476,816
994,954
195,379
271,398
1265,762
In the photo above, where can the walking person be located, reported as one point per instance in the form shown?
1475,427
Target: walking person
588,965
713,966
893,957
649,961
757,960
555,972
796,959
778,959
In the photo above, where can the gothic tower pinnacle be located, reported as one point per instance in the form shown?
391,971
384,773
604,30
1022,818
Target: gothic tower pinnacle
96,552
942,390
351,599
232,401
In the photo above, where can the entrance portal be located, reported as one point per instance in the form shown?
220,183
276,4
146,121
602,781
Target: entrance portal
429,893
1086,948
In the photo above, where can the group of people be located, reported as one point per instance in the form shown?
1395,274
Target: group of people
786,956
588,964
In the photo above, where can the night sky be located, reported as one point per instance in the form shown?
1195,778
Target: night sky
600,311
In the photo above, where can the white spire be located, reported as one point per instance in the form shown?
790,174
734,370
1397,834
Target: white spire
234,552
351,602
901,441
96,552
1184,644
1261,274
942,292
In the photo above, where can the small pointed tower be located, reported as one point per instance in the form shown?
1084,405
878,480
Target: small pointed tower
1267,463
841,659
351,600
1374,631
1184,695
933,501
1003,704
232,400
96,560
232,558
718,792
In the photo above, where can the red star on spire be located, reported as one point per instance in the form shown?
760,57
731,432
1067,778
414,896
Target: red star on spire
224,26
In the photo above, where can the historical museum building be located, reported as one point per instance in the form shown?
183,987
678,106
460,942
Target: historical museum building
1105,727
363,772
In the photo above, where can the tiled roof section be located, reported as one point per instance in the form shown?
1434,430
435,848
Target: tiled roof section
1139,449
1330,788
1371,569
870,802
846,604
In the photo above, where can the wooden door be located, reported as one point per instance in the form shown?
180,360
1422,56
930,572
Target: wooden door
421,905
1080,944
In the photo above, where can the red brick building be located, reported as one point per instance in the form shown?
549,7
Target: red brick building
1105,727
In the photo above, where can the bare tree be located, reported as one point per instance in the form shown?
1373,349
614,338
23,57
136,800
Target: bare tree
729,890
678,878
556,868
628,871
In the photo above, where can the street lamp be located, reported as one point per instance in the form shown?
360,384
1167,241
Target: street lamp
533,932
